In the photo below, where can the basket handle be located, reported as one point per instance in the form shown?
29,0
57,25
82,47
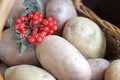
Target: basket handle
5,7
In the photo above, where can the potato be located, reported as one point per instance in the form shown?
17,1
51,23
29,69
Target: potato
9,51
45,1
62,59
61,11
27,72
86,36
113,71
3,67
98,66
19,8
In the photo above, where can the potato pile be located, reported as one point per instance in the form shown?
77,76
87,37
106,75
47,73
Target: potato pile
75,52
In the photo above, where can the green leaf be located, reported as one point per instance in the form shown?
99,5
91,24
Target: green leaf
31,6
26,12
15,33
22,48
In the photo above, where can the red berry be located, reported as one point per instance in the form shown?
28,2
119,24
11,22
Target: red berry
36,13
26,19
34,22
30,15
49,18
31,39
39,39
54,22
21,26
22,18
45,22
50,24
40,15
39,19
16,27
23,31
41,28
42,34
35,17
18,21
22,35
34,31
54,27
46,29
50,32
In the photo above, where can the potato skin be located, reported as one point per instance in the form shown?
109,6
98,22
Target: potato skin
27,72
9,51
61,11
113,71
62,59
98,67
86,36
45,1
3,67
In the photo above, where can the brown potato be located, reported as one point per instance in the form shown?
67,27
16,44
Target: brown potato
3,67
9,51
113,71
62,59
61,11
98,67
45,1
27,72
86,36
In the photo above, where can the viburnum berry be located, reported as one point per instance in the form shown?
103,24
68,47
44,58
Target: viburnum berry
18,21
30,15
31,39
50,32
16,27
22,18
37,27
41,28
21,26
39,19
35,17
49,18
45,22
40,15
34,22
42,34
23,31
39,39
54,22
54,27
22,35
46,29
34,31
50,24
36,13
26,19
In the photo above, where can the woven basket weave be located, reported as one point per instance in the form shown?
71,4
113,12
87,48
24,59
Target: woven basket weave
112,33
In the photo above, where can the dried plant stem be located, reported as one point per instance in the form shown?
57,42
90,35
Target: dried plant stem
5,7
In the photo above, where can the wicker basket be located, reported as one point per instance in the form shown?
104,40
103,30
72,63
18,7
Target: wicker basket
112,33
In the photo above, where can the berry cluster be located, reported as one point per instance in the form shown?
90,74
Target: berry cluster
39,27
